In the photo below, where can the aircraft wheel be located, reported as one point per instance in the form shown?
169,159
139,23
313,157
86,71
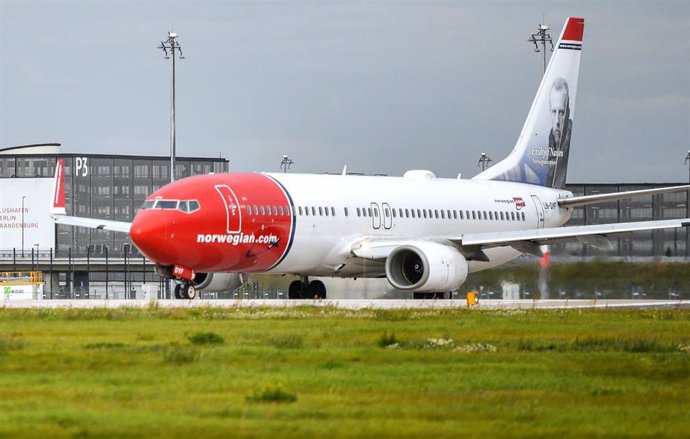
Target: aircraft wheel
315,290
189,292
295,290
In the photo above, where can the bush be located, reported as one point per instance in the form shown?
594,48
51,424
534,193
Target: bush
387,339
201,338
272,394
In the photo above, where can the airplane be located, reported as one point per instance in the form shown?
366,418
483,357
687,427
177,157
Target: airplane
422,233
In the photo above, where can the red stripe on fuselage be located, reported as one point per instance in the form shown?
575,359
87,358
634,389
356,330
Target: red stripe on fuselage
256,206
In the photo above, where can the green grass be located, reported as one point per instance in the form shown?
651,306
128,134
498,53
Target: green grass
325,372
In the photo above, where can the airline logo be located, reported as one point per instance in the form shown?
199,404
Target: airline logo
519,203
572,35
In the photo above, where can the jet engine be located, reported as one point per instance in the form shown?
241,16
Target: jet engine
219,282
426,267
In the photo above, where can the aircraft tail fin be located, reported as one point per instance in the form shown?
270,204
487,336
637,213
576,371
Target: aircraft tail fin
57,203
541,153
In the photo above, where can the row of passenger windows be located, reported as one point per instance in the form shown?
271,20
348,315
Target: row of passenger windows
267,210
417,213
444,214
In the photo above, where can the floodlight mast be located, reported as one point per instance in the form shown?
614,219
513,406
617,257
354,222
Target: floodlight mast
542,36
484,161
285,164
687,160
169,47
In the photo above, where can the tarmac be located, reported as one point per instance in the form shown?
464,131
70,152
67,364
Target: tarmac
352,304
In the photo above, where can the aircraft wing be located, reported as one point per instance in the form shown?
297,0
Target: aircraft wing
526,241
58,213
93,223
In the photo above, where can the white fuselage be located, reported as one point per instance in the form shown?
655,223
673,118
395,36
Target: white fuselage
413,208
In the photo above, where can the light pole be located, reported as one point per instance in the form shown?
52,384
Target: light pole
169,47
484,161
23,197
285,164
542,36
687,160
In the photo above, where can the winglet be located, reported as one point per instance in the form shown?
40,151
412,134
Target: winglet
57,206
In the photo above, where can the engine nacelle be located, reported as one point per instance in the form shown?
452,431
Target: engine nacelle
426,267
218,282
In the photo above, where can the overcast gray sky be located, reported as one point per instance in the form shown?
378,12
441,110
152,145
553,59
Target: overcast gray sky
382,86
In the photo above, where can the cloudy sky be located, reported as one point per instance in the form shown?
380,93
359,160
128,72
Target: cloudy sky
382,86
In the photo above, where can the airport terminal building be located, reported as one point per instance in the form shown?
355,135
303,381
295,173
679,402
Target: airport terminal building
86,261
105,186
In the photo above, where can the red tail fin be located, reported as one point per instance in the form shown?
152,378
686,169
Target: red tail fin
58,201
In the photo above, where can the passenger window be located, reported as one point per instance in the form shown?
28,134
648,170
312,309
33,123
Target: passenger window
313,211
424,212
280,208
345,210
412,213
358,212
443,216
299,209
249,209
320,211
369,211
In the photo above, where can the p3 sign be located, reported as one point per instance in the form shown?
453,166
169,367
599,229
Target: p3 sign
81,168
232,208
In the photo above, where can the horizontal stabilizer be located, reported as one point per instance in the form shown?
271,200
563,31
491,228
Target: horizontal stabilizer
603,198
544,236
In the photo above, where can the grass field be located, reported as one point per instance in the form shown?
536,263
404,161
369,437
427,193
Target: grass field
324,372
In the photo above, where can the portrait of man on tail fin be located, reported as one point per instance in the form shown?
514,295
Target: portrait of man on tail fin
559,137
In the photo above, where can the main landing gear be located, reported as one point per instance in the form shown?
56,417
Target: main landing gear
185,290
303,289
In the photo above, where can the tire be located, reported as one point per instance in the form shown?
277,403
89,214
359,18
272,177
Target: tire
189,292
295,290
315,290
178,293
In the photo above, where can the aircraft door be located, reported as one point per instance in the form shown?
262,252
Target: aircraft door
540,211
232,208
387,216
375,216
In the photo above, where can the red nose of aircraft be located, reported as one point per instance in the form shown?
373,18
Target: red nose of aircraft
150,234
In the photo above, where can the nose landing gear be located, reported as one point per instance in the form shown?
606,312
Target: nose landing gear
185,290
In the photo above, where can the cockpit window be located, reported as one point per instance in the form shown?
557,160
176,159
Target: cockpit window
183,205
166,204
